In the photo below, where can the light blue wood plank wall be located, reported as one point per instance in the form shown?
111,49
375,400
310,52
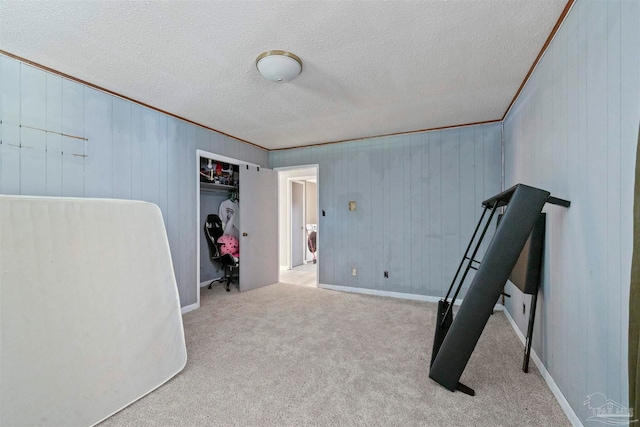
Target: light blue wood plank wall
573,131
418,200
113,148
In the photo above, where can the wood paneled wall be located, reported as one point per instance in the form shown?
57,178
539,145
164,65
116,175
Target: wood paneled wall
573,131
110,148
418,200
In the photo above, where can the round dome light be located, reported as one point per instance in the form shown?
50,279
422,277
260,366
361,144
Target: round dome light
279,66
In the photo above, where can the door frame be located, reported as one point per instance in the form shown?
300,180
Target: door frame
219,158
287,210
290,182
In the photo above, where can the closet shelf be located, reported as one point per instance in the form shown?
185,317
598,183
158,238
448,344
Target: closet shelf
208,186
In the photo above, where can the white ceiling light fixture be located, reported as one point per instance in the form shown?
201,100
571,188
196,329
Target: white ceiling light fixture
279,66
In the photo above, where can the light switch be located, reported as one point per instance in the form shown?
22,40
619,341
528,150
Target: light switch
353,272
352,206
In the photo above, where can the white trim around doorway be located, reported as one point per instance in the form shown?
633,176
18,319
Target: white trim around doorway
219,158
288,208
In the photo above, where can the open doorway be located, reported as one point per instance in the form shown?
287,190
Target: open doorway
298,225
242,199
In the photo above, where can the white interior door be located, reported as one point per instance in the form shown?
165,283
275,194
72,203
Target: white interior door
258,227
297,224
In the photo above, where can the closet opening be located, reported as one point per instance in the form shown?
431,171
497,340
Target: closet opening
219,222
298,225
237,211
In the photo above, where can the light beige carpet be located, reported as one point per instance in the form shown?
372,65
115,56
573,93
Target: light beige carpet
289,355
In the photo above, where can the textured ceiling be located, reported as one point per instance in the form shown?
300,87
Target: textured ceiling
370,68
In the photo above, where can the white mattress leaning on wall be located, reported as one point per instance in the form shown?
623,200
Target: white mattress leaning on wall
90,316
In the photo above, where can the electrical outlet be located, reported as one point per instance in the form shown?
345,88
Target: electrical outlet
352,206
386,274
524,308
353,272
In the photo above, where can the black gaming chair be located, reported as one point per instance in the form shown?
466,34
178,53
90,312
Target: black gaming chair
212,231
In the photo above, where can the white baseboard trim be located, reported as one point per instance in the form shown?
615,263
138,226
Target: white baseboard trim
376,292
564,404
188,308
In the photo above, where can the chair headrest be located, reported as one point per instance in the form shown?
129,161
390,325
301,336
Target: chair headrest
214,220
213,226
